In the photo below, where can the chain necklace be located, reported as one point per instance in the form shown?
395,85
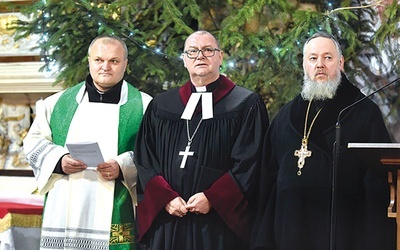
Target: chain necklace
187,153
303,152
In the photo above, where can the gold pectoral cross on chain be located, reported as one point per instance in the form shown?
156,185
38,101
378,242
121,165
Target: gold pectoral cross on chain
302,153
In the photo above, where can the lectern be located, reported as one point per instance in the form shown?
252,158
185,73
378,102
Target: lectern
388,155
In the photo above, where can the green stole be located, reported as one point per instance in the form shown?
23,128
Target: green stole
122,234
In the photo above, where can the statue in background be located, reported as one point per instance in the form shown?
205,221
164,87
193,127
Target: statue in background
14,124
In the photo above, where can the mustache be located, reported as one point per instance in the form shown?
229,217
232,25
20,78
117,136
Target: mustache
320,72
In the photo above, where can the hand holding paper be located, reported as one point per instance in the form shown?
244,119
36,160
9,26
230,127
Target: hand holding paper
87,152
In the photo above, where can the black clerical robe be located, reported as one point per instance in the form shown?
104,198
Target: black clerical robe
295,210
225,166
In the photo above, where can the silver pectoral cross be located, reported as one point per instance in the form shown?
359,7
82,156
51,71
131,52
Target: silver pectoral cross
302,153
185,154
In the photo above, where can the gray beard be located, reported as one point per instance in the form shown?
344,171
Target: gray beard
313,90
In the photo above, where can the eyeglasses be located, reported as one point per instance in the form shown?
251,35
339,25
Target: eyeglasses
194,53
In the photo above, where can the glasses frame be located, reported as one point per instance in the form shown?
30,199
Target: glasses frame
201,50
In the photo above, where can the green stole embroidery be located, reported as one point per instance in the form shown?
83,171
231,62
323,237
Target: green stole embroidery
122,234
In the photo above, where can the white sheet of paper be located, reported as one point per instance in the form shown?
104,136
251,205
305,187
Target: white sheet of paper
87,152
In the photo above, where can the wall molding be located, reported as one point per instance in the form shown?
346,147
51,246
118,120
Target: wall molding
25,77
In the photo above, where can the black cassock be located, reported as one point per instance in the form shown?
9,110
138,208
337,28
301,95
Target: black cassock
296,210
225,166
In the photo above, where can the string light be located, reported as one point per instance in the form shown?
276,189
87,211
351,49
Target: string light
158,50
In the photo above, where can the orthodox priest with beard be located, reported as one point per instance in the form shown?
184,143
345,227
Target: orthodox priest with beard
197,155
295,183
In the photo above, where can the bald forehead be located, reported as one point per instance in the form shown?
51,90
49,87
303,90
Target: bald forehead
204,36
109,40
321,44
106,40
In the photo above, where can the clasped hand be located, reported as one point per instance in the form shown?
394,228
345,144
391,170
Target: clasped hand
197,204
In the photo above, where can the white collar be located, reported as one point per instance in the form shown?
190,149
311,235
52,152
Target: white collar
206,105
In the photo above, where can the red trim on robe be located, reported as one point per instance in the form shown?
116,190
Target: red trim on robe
230,204
19,208
158,192
156,195
224,87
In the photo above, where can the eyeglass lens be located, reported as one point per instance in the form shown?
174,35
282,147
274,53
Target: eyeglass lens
207,52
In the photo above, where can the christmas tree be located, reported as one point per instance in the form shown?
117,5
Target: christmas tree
261,39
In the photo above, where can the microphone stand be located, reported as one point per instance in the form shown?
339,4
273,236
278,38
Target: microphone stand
336,154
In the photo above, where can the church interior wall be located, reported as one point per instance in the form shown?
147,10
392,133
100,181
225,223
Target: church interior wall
22,83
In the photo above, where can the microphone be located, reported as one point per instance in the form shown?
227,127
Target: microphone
338,127
336,152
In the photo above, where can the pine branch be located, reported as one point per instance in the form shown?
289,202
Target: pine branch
258,55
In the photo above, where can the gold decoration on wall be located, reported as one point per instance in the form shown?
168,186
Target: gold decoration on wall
8,45
5,22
